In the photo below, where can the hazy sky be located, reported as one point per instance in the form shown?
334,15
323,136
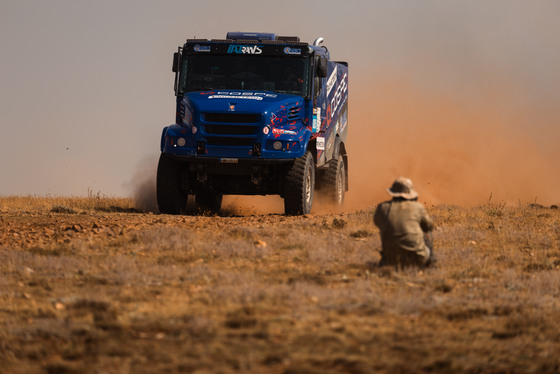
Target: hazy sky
86,86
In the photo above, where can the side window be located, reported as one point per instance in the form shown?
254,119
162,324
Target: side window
317,81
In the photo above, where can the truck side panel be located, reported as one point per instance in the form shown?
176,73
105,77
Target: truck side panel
333,105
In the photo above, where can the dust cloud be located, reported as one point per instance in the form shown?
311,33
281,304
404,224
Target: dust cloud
463,152
143,184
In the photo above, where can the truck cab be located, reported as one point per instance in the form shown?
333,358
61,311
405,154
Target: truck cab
257,114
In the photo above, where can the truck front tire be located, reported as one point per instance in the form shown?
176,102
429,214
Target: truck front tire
170,197
300,186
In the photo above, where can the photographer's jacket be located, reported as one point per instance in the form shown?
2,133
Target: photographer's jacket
402,224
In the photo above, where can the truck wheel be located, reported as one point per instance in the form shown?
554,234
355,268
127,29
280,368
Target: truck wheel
171,199
300,186
208,201
335,181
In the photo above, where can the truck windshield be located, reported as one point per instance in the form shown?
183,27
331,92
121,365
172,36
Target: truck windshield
287,75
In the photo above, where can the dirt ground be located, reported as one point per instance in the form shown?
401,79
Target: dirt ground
91,285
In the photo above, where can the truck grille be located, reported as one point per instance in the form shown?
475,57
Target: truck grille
231,117
230,129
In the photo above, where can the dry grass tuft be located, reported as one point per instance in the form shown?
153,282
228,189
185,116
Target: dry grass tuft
64,205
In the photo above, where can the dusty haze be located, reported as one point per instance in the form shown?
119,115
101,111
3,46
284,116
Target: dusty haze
456,152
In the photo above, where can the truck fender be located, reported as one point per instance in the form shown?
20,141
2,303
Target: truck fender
307,144
163,134
310,145
336,147
340,149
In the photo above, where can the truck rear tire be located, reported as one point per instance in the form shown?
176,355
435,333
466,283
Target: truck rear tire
300,186
208,201
170,198
335,181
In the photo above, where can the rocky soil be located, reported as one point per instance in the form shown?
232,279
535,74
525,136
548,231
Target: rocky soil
94,286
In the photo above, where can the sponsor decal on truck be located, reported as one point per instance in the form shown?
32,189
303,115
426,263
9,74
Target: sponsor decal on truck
244,49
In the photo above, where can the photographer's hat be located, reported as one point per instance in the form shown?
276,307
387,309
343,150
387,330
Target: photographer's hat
402,187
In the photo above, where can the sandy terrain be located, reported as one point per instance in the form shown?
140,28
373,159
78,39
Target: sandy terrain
92,285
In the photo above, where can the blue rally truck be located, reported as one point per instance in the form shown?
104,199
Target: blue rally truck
257,114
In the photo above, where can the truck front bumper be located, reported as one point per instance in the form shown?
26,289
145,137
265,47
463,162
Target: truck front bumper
233,176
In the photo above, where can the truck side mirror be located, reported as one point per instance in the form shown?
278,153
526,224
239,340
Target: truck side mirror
176,58
322,67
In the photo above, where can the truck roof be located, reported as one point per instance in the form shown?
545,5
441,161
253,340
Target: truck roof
260,38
